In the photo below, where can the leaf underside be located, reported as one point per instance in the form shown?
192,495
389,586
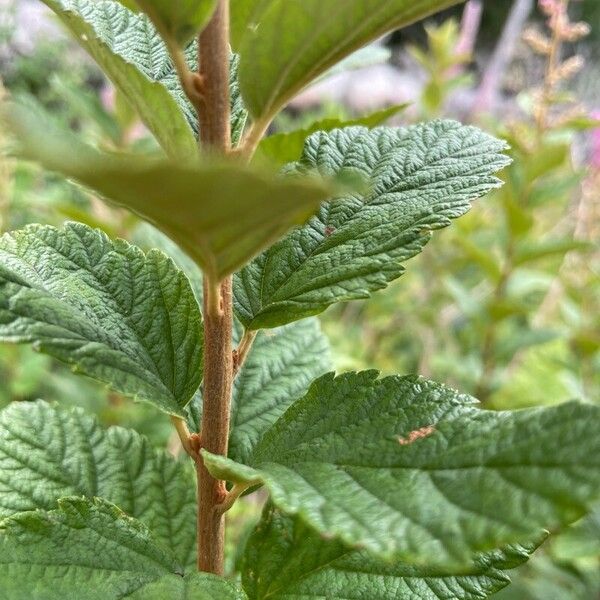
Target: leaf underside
291,42
439,478
180,20
126,318
47,453
285,560
418,179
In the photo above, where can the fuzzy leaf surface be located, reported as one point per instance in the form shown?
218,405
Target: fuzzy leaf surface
419,178
279,369
291,42
126,318
179,19
47,453
409,469
195,586
133,56
285,560
221,214
84,545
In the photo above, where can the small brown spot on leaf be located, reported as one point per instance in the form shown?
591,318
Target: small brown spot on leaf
415,435
329,230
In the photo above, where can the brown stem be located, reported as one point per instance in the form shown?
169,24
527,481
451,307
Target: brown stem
214,120
241,352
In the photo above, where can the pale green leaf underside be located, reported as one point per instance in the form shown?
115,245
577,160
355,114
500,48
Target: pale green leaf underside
116,314
280,368
284,560
419,178
221,214
196,586
405,467
281,148
179,19
85,545
281,365
291,42
132,55
47,453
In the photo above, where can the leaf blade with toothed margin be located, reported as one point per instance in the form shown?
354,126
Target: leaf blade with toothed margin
426,465
84,545
418,179
285,560
194,586
132,55
47,453
127,319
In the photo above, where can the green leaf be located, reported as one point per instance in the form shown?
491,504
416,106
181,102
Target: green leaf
279,368
528,252
290,43
239,114
282,148
135,59
196,586
545,579
418,179
126,318
47,453
221,214
285,560
581,540
407,468
85,545
179,19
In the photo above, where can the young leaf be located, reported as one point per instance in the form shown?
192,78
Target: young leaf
407,468
84,545
221,214
285,560
282,148
292,42
195,586
178,19
132,55
47,453
418,179
115,314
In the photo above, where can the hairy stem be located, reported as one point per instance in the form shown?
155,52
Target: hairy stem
241,352
214,120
